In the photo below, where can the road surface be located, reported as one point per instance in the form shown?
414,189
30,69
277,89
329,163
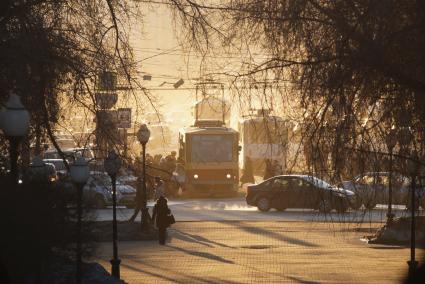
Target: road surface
236,209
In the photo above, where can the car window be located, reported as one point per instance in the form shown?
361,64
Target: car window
268,183
51,155
311,180
382,180
60,166
368,180
296,183
85,153
280,182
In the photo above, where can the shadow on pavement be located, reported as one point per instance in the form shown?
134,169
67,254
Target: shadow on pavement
388,247
298,280
196,239
202,254
162,276
182,277
274,235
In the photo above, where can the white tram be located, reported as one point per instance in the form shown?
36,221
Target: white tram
263,136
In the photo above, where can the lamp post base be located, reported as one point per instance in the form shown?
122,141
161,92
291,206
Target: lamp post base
412,266
115,267
390,218
13,153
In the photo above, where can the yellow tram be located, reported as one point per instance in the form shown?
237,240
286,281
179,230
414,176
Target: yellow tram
209,153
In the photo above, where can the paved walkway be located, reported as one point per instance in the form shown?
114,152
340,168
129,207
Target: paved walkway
261,252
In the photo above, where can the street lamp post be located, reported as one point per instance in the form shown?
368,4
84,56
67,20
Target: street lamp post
79,174
391,141
413,169
14,119
143,136
112,165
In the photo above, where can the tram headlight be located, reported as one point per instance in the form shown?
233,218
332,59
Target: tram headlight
228,176
195,176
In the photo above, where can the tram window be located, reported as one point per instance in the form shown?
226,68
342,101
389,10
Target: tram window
260,133
212,148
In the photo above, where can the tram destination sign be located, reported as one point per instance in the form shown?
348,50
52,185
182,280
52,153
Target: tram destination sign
124,118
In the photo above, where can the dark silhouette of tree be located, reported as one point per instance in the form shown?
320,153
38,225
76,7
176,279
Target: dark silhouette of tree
53,51
356,67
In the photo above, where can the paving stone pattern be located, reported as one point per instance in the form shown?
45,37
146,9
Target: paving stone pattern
261,252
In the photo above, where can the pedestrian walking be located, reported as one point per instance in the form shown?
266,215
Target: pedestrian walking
179,176
174,156
162,218
159,188
139,199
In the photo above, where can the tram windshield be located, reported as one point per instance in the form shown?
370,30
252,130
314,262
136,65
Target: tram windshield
271,132
212,148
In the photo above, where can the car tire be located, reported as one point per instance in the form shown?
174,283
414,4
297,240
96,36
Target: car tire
325,206
356,204
263,204
99,202
409,205
370,205
342,206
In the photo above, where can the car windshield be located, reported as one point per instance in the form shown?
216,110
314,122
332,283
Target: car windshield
52,155
85,153
317,182
59,165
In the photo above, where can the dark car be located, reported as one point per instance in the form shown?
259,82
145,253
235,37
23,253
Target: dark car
372,188
298,191
59,166
98,190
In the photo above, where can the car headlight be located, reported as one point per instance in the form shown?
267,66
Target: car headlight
195,176
229,176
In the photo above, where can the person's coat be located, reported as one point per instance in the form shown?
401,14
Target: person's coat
160,213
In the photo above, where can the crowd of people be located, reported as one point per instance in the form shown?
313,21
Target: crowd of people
162,167
272,168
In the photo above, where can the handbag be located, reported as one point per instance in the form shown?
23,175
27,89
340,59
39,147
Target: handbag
170,219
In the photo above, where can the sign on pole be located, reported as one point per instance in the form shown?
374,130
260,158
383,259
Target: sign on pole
124,118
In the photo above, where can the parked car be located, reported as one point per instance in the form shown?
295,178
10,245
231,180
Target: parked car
59,166
98,190
51,172
128,179
371,188
70,153
298,191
